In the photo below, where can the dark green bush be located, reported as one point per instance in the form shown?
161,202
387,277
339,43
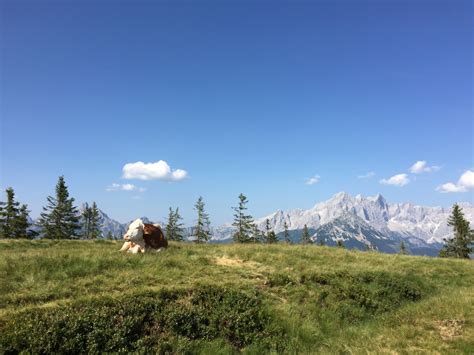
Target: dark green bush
356,296
165,321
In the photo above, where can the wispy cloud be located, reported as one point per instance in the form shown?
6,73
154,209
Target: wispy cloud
159,170
465,183
369,175
396,180
313,180
421,166
124,187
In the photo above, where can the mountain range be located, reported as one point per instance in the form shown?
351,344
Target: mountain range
365,222
358,221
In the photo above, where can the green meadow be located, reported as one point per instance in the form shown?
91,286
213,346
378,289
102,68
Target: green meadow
85,296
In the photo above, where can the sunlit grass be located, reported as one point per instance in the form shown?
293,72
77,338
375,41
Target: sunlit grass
321,299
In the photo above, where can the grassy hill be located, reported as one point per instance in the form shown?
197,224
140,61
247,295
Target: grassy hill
65,296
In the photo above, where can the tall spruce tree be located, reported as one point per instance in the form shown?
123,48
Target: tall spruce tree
170,225
60,218
202,230
179,225
243,222
460,245
270,236
94,221
9,212
86,221
340,244
90,221
257,236
14,219
22,224
174,226
403,249
305,237
286,233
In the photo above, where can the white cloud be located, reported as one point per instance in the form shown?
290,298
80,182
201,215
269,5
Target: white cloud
465,183
159,170
313,180
397,180
369,175
128,187
421,166
124,187
114,187
450,187
467,179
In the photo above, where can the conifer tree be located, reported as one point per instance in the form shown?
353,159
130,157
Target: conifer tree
22,224
90,221
170,225
257,236
243,222
270,236
179,225
174,227
14,219
403,249
460,245
86,221
305,237
267,230
109,235
9,212
60,218
286,233
94,227
340,243
321,242
202,228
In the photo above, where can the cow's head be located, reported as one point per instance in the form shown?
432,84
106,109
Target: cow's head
135,231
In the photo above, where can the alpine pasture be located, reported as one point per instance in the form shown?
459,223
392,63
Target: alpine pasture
86,296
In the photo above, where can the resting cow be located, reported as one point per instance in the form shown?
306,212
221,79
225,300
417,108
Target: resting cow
141,237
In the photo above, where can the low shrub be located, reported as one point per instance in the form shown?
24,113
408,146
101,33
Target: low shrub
357,296
165,321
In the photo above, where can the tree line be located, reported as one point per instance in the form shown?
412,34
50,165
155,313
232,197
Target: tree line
60,219
14,221
247,230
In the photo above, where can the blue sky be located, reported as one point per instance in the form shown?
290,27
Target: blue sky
251,96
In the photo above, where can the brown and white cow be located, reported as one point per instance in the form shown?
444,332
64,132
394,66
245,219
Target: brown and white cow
141,237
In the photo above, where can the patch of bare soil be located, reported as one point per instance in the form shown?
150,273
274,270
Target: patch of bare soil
224,261
450,328
236,262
